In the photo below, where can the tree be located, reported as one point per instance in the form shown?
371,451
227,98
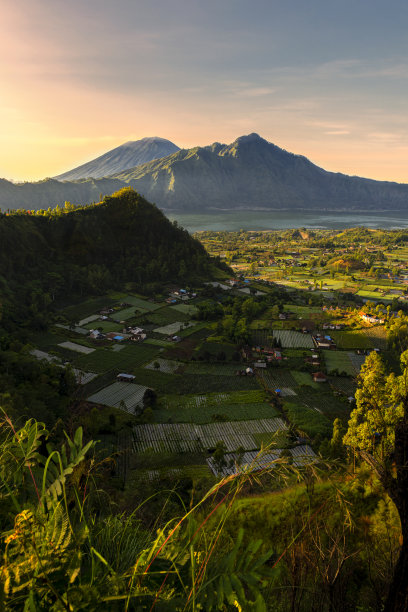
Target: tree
378,433
219,456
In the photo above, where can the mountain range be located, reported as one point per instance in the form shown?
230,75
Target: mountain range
248,174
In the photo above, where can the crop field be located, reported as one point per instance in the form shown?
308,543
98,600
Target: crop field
90,319
254,460
357,361
213,369
125,314
155,342
340,361
126,396
40,355
276,378
214,348
308,420
235,406
165,365
172,328
186,437
105,326
87,308
377,336
324,402
127,359
140,303
356,339
83,378
78,348
343,384
293,339
166,316
46,341
188,309
302,311
304,378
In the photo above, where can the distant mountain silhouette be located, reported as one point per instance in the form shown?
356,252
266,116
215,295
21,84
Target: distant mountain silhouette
128,155
249,174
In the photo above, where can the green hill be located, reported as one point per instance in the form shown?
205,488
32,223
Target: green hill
90,250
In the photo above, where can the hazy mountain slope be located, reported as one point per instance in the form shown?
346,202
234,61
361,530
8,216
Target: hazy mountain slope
252,173
125,156
50,193
249,174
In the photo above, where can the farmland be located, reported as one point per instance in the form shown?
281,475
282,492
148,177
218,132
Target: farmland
194,438
292,339
120,395
207,385
237,406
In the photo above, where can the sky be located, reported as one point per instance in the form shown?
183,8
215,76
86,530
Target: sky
324,79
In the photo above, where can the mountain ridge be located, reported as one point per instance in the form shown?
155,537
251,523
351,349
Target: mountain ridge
247,174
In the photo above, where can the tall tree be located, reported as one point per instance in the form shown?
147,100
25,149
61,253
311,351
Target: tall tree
378,433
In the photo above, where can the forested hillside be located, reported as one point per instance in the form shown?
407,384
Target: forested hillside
90,250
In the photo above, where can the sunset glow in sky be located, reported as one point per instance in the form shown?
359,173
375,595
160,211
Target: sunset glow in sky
327,80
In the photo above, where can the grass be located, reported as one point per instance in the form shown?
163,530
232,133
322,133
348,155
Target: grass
166,316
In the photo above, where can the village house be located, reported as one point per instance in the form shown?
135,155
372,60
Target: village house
371,319
324,342
95,334
319,377
125,377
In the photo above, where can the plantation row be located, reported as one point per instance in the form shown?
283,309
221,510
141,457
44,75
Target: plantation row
130,394
190,437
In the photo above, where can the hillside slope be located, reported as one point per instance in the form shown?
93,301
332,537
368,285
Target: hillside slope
125,156
88,251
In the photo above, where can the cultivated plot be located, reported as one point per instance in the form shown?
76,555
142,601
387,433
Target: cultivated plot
172,328
126,396
188,309
340,361
293,339
180,437
164,365
78,348
254,461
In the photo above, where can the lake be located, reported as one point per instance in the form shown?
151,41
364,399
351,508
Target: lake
277,220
